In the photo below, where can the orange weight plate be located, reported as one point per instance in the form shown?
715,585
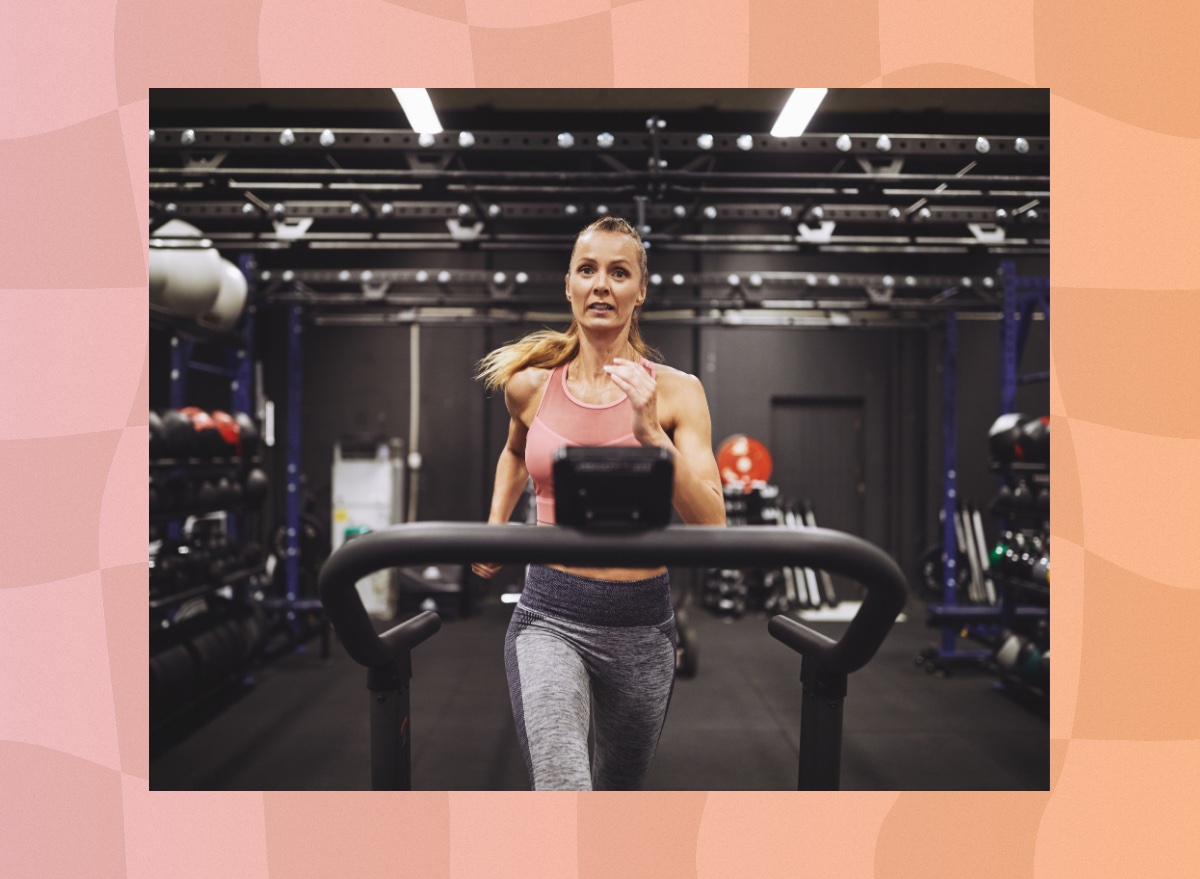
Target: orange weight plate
743,460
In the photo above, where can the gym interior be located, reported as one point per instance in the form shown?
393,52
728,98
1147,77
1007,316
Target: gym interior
866,304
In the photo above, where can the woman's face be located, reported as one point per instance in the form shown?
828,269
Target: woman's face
604,284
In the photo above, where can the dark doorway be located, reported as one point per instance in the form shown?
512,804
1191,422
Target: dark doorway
818,449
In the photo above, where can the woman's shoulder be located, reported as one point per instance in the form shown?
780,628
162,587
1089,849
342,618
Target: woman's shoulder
525,388
680,394
673,379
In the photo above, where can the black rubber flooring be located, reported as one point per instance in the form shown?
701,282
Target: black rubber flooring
303,725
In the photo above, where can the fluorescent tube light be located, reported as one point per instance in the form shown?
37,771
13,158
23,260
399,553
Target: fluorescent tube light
798,112
419,110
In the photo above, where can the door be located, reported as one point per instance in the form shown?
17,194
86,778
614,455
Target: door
819,454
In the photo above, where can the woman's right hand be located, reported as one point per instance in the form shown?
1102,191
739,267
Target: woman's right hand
485,570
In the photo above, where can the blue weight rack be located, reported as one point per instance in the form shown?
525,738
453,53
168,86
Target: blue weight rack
1021,297
238,369
291,605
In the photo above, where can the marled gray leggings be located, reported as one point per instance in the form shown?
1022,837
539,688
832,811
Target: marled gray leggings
575,644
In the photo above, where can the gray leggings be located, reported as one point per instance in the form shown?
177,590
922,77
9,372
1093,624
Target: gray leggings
581,651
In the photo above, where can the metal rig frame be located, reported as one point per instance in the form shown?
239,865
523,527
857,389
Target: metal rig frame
323,206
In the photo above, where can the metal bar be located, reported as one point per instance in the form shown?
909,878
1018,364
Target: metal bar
951,146
732,310
698,321
747,281
1008,348
837,206
211,369
181,355
949,473
294,499
242,361
375,240
632,177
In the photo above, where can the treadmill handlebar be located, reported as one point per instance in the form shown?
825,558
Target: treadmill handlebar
685,545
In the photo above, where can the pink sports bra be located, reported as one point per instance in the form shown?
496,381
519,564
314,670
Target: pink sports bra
562,420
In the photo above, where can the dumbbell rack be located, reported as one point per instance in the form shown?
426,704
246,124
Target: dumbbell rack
773,590
1021,297
1023,598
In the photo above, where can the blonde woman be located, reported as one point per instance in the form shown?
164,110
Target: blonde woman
595,646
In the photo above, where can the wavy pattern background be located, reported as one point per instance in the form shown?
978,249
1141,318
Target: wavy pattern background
1125,724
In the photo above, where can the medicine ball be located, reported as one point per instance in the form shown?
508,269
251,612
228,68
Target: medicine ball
1004,438
179,434
209,442
228,428
207,496
231,297
192,273
158,437
160,268
247,433
225,493
257,485
193,280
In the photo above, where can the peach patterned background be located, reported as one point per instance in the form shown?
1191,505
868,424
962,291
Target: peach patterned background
1125,723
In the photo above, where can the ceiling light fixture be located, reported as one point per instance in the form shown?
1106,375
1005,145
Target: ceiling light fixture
419,109
798,112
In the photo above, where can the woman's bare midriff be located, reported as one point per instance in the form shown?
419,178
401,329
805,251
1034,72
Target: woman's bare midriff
618,574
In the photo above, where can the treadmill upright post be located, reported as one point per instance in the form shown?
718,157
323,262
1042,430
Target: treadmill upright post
820,726
391,742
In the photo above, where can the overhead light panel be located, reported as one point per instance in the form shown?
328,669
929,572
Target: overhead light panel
419,110
798,112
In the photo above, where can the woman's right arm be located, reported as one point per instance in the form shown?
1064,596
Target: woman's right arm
511,472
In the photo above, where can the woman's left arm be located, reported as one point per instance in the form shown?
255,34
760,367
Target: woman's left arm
697,495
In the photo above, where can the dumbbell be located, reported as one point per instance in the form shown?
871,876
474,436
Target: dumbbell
1021,495
1004,438
1035,440
1005,496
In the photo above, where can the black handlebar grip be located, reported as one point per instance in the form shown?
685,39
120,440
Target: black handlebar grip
412,632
